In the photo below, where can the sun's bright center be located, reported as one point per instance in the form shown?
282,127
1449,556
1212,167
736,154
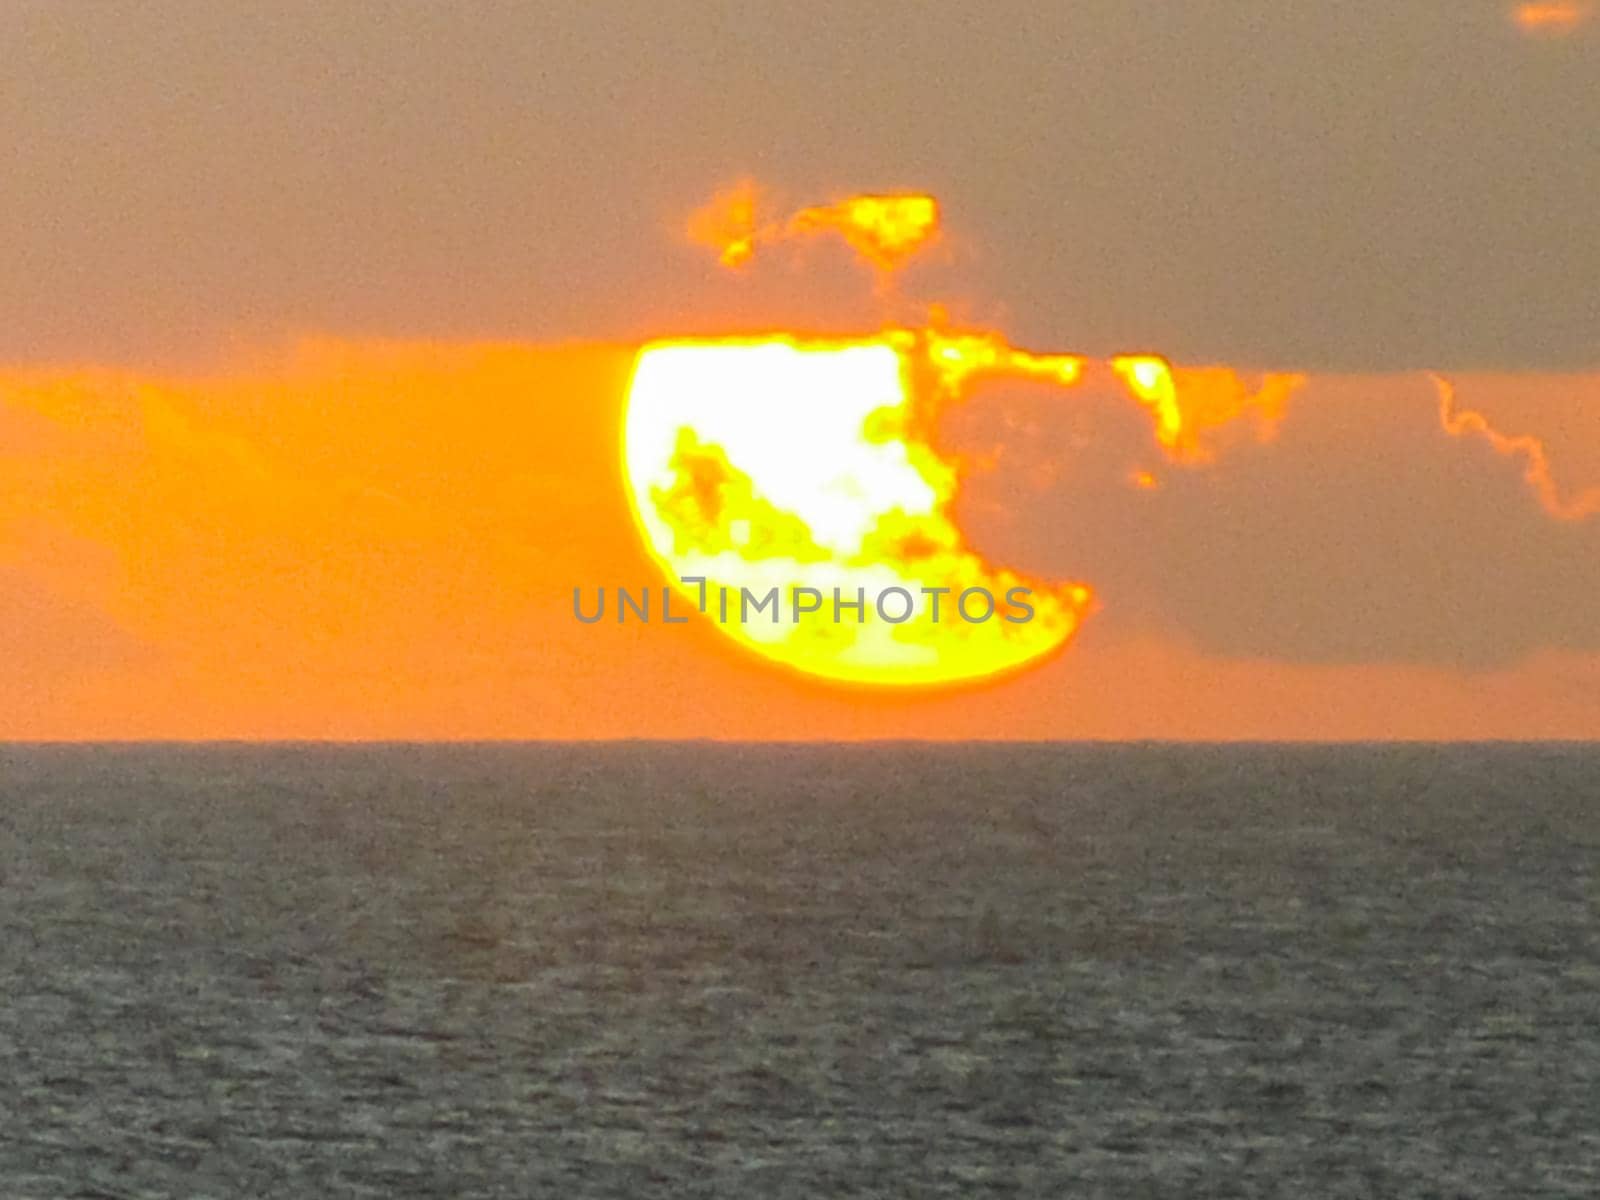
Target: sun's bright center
782,466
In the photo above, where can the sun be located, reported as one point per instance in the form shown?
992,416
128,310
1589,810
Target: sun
788,487
784,487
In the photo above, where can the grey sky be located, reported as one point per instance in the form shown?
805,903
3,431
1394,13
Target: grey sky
1353,185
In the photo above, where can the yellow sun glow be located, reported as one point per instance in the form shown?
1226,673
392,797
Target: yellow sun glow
779,463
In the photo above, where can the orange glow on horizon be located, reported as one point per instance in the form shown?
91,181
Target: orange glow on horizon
382,539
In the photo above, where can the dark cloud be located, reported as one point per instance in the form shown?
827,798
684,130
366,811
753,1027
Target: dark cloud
1361,533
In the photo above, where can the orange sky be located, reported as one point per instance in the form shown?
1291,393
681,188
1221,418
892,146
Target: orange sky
315,328
380,540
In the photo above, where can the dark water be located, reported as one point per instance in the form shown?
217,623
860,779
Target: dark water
763,972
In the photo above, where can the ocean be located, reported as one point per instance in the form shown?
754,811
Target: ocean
631,970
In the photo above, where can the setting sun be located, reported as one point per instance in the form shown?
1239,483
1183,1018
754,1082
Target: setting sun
774,463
